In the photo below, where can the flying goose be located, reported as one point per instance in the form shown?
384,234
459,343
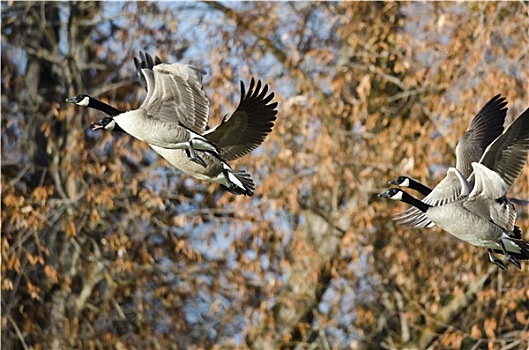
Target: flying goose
506,155
216,168
486,126
480,215
236,136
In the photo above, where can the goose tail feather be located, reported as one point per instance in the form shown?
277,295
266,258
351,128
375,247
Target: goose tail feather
242,184
517,248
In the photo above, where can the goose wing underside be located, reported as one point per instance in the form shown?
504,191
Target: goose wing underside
488,198
178,96
501,212
248,126
484,128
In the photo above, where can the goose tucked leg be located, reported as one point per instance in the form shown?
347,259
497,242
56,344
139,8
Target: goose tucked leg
201,144
496,261
508,256
193,156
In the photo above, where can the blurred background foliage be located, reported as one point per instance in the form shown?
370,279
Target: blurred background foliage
105,245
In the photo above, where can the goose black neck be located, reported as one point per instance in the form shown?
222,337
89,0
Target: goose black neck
117,128
417,186
406,198
103,107
107,120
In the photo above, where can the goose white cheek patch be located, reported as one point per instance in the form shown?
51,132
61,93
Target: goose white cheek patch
111,125
397,196
84,102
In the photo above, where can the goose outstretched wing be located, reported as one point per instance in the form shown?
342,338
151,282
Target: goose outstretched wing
243,131
484,128
507,155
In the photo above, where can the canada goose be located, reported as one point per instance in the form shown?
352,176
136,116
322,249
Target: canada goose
480,216
506,155
234,137
484,128
254,115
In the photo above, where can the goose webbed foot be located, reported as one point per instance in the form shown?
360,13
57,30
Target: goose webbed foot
496,261
508,256
514,261
193,156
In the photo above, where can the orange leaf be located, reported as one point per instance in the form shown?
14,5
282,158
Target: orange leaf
70,229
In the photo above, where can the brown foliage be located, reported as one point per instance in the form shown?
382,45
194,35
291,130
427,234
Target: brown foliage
106,245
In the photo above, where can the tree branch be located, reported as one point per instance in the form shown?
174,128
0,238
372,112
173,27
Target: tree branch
446,316
18,332
278,53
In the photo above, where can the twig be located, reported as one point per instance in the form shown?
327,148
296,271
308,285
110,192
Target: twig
119,309
405,328
56,201
43,54
408,93
18,332
512,345
19,175
377,70
114,86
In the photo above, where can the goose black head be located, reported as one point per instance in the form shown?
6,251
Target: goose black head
392,193
80,100
402,181
106,123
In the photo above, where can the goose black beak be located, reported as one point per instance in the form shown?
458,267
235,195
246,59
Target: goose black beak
70,99
385,194
393,182
97,125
